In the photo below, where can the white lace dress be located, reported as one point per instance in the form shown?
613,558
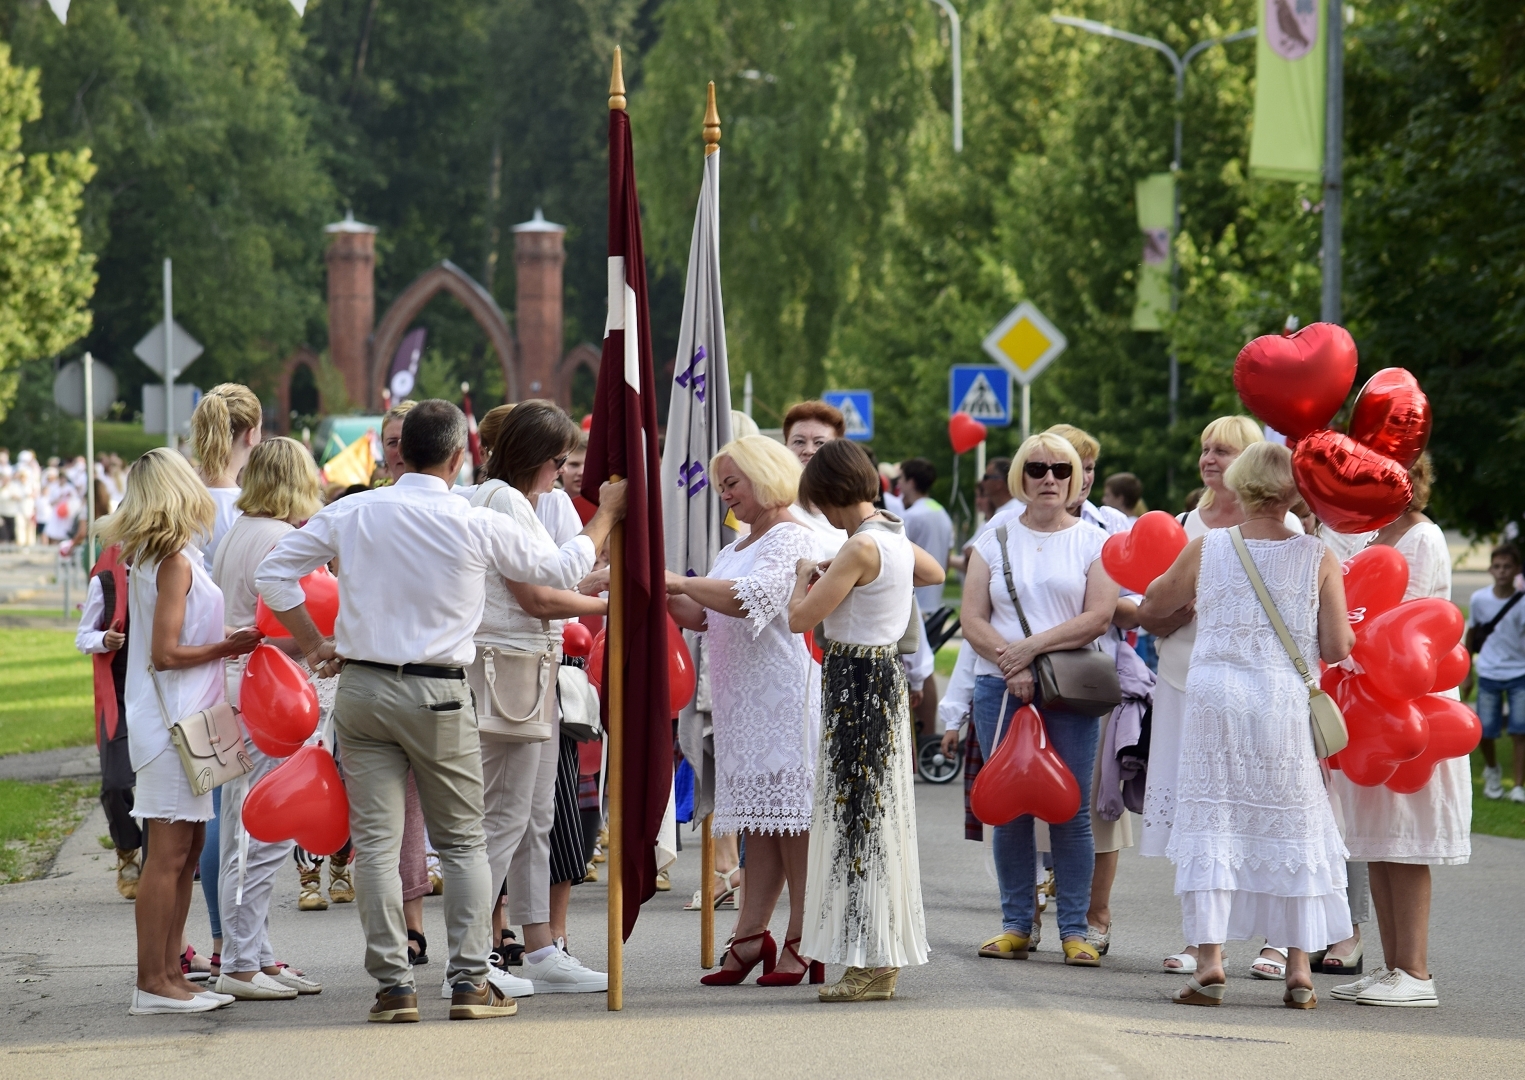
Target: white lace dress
1255,844
1434,824
765,690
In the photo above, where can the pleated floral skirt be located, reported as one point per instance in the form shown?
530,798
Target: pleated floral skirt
863,890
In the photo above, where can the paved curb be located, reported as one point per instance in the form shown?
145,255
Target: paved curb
68,763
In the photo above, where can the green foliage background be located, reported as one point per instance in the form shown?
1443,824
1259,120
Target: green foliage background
858,249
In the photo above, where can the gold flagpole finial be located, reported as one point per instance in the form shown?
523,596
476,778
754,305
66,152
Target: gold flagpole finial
711,122
617,83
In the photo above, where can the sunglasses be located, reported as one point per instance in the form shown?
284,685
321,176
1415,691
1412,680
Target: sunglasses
1062,470
561,461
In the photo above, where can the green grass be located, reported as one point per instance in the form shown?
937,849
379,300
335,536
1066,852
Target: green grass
35,819
1498,817
46,692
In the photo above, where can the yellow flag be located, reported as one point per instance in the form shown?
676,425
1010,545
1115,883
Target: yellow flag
352,465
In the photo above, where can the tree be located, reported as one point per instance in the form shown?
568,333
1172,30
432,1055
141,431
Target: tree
46,276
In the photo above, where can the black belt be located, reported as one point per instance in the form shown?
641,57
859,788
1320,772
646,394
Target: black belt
422,671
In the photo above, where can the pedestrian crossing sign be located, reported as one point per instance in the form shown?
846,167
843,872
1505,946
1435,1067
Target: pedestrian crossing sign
981,390
1024,342
857,407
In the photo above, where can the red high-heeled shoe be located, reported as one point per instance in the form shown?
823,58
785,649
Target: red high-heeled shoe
767,952
814,968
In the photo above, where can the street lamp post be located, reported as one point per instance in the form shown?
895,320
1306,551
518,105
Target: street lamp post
958,75
1178,64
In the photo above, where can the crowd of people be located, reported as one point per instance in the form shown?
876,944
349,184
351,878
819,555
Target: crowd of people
45,503
439,698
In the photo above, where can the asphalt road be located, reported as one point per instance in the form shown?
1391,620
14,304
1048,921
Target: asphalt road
67,953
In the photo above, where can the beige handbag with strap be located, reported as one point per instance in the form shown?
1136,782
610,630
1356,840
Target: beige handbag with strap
1324,717
210,743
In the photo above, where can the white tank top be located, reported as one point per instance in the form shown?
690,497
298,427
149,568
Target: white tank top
877,613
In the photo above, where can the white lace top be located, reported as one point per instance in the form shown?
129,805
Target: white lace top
765,688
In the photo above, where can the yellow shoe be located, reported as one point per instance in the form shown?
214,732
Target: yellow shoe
1005,946
341,890
861,984
311,896
1080,953
664,883
128,870
591,873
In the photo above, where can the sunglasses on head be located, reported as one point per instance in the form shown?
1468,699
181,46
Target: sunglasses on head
1062,470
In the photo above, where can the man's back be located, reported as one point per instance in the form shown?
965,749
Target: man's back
928,526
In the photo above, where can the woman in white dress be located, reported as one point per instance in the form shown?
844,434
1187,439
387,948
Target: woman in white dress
1255,843
180,642
863,903
765,692
1223,441
1402,836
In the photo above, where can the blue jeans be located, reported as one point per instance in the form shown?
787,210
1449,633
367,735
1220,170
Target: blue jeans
1074,738
1490,705
211,860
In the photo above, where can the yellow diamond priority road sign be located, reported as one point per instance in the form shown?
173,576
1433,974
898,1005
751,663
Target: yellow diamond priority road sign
1025,342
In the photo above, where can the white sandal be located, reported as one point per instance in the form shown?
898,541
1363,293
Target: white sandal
1276,969
727,897
1187,961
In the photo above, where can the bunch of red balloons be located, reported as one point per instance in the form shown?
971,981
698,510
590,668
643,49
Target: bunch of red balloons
321,592
1354,481
681,676
1400,725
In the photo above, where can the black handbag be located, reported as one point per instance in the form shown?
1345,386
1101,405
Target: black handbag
1081,681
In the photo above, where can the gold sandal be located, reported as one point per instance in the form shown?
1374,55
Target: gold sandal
1078,952
1006,945
861,984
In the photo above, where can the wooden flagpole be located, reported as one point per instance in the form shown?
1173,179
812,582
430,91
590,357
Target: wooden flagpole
614,783
707,843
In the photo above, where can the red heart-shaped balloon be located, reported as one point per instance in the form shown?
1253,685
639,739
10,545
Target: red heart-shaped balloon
320,590
1351,488
1297,383
1452,669
1392,416
596,662
301,799
681,674
1025,776
1138,556
1455,731
1401,650
965,432
279,704
576,639
1383,733
1375,581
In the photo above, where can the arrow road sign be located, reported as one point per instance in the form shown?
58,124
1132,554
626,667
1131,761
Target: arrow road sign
857,410
981,390
151,350
1024,342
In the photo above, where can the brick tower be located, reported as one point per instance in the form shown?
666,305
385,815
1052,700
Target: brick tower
538,260
351,259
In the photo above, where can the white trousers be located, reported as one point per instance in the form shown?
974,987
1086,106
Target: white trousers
519,796
246,924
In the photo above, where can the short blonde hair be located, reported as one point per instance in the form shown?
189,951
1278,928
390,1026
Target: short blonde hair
398,412
224,412
1239,432
1054,444
1084,442
280,481
773,470
166,507
1261,476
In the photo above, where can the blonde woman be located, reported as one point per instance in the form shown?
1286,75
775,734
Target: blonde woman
1255,844
225,429
766,696
180,643
280,492
1223,441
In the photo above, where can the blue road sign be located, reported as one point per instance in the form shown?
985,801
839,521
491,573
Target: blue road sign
857,410
981,390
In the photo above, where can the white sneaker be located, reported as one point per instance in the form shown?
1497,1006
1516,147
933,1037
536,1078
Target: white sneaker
1352,990
146,1004
508,985
223,1000
1399,988
1493,781
561,973
300,983
260,988
1517,795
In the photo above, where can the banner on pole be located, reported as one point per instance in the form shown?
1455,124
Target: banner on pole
1155,197
1287,142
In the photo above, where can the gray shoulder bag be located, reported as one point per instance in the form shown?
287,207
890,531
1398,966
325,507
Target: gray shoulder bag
1081,681
1328,724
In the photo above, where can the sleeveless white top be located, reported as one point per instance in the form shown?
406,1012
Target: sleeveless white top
504,622
877,613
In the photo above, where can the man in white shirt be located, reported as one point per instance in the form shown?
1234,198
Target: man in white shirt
412,558
927,524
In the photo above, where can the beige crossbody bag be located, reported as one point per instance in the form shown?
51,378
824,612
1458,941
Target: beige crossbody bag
210,743
1329,733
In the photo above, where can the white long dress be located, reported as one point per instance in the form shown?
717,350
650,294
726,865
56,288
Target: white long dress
863,903
1255,843
765,689
1433,825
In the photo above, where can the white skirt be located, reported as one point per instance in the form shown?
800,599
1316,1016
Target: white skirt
164,794
1169,717
1309,923
1431,827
